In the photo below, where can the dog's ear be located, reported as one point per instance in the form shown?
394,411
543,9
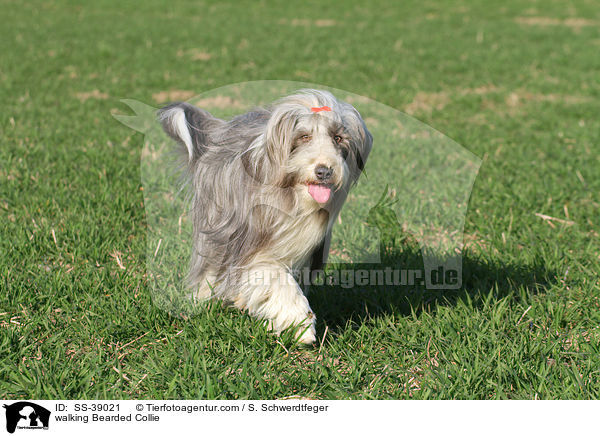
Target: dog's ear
279,134
188,125
364,147
362,140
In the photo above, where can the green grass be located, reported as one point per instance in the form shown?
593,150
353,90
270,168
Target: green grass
516,84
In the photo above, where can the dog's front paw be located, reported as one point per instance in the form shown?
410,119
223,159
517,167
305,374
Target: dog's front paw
302,321
307,333
279,301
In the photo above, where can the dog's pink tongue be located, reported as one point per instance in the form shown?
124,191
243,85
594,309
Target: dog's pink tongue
319,192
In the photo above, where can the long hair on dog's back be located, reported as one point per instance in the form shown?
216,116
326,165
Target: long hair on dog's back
266,187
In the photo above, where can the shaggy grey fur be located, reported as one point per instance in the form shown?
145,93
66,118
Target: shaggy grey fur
248,189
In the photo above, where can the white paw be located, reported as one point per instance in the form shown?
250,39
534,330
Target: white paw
273,295
307,334
204,290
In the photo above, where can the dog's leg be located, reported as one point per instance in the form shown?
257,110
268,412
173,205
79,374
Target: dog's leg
268,291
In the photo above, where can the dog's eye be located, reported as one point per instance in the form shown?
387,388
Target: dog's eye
305,138
338,138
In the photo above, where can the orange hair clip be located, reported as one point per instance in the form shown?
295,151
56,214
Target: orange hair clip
319,109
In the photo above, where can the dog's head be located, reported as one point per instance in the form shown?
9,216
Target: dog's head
320,143
309,142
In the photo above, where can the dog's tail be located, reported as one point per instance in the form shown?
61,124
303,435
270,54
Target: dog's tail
188,125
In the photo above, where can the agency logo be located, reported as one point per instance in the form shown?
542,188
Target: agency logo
26,415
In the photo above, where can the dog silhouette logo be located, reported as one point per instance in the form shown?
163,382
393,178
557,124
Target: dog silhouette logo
26,415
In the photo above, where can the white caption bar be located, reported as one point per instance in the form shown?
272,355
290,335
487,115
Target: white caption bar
293,417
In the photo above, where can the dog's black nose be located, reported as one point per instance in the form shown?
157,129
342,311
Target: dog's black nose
323,173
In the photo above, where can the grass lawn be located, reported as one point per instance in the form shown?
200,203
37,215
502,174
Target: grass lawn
515,83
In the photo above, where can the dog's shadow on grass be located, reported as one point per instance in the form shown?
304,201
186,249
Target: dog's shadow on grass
337,305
